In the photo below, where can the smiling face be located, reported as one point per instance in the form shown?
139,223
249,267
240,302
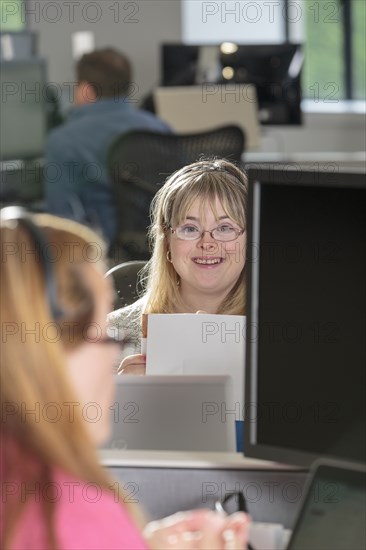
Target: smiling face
208,269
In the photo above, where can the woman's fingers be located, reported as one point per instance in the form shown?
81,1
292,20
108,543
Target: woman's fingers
182,531
236,531
133,369
199,530
133,364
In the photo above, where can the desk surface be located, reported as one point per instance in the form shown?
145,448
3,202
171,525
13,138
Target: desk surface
178,459
356,158
167,482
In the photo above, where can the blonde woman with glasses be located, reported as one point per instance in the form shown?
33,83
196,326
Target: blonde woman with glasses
198,236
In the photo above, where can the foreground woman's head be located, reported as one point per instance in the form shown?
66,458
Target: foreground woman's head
56,364
54,301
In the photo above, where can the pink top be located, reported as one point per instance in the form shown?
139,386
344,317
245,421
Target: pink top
85,519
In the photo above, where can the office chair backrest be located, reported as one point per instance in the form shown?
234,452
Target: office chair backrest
139,162
125,277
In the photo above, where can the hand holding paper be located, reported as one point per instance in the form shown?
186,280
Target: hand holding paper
133,364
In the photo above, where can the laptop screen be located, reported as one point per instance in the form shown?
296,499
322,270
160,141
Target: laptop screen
333,512
172,413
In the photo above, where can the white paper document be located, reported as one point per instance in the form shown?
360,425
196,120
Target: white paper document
198,344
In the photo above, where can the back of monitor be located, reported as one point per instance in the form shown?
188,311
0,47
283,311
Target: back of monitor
191,109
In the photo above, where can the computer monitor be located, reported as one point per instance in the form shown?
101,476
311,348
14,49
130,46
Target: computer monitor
18,45
209,108
23,109
275,70
305,347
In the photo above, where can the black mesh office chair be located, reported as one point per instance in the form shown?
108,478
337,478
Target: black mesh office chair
139,163
125,277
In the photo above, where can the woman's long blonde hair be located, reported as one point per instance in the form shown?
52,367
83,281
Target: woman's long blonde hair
33,371
207,181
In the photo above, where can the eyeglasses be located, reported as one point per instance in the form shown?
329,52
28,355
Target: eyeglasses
232,502
223,233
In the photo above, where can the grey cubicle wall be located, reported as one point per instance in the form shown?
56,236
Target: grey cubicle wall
162,487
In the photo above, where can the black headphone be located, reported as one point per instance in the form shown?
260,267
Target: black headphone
17,214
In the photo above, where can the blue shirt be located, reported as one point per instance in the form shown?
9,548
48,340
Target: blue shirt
77,184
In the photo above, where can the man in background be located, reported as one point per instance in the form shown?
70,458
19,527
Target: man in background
77,182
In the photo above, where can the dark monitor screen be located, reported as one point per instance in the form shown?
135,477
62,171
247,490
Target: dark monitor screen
23,109
306,353
274,69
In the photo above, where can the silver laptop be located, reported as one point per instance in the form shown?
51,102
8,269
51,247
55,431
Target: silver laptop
174,413
333,512
191,109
